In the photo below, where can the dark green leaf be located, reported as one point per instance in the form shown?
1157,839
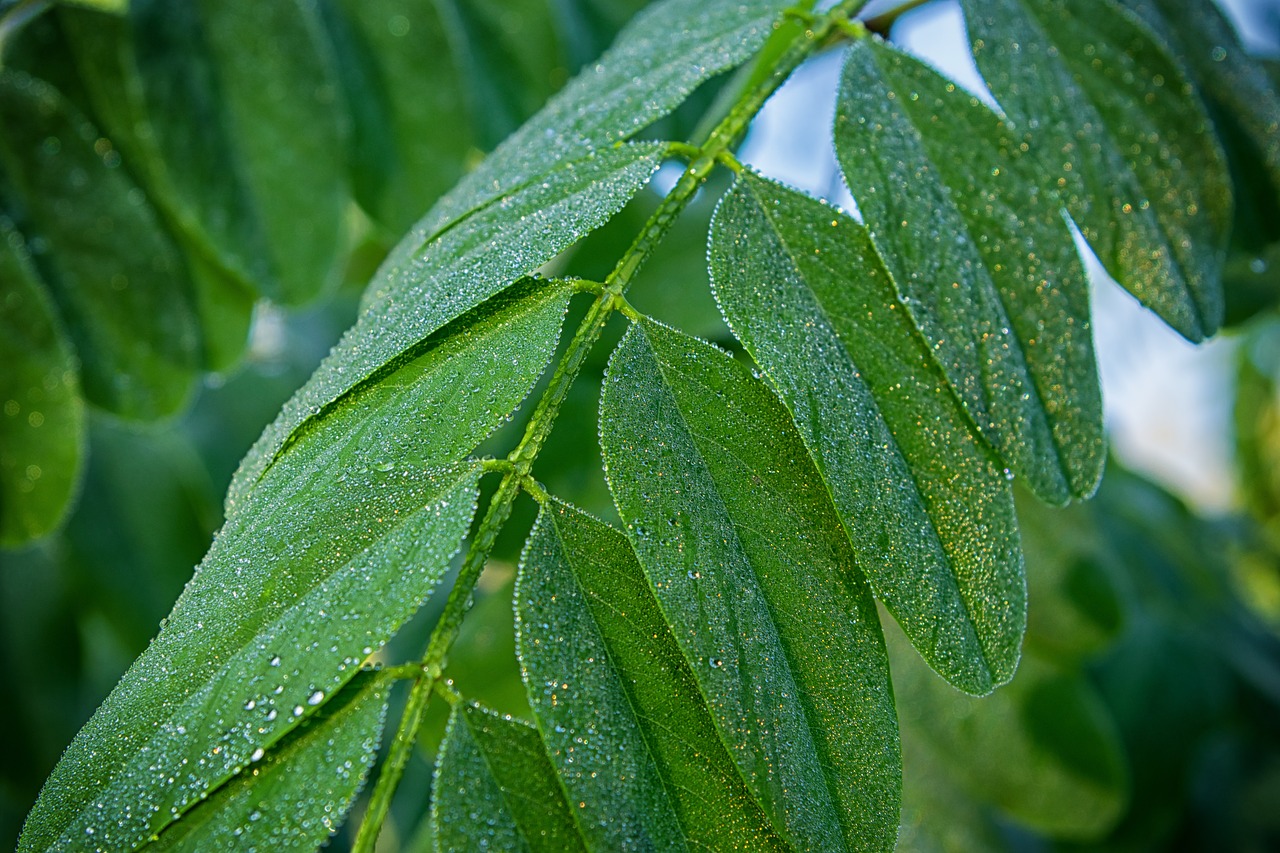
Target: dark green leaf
750,565
619,708
41,413
1110,117
1043,748
982,259
242,102
496,790
924,501
421,288
295,796
113,272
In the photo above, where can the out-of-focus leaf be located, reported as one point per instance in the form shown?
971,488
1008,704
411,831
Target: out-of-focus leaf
922,497
41,413
1257,420
421,288
983,260
496,790
1111,119
1043,748
619,709
116,277
752,569
295,796
342,538
937,815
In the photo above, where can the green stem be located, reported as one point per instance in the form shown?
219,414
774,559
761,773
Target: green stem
882,23
703,159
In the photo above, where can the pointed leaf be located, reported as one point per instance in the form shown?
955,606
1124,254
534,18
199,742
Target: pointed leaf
496,790
752,569
295,797
1044,748
42,429
924,500
421,288
114,273
343,538
620,710
1110,117
982,259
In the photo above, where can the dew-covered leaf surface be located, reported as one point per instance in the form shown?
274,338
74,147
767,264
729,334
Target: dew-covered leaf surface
296,795
42,429
420,288
495,789
752,569
116,277
923,498
1043,748
619,708
1113,122
251,134
984,261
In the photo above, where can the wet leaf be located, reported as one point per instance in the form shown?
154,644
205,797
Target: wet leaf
114,274
745,553
496,790
618,707
422,288
1110,117
923,499
42,429
983,260
296,795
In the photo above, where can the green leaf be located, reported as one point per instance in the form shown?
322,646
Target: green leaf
113,272
923,499
242,105
752,569
496,790
42,429
632,85
294,798
1109,116
422,288
1044,749
619,709
982,259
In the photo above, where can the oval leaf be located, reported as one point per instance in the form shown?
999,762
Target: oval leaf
619,709
983,260
923,499
1110,117
496,790
752,569
42,429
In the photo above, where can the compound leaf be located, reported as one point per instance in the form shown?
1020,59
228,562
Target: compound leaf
922,497
1110,117
983,261
752,569
618,706
495,788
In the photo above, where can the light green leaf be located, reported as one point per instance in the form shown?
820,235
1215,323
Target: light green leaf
42,429
242,101
1110,118
630,86
295,797
619,709
113,272
496,790
421,289
922,497
1044,749
343,538
745,553
982,259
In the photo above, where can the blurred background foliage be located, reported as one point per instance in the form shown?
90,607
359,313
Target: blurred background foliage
240,206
